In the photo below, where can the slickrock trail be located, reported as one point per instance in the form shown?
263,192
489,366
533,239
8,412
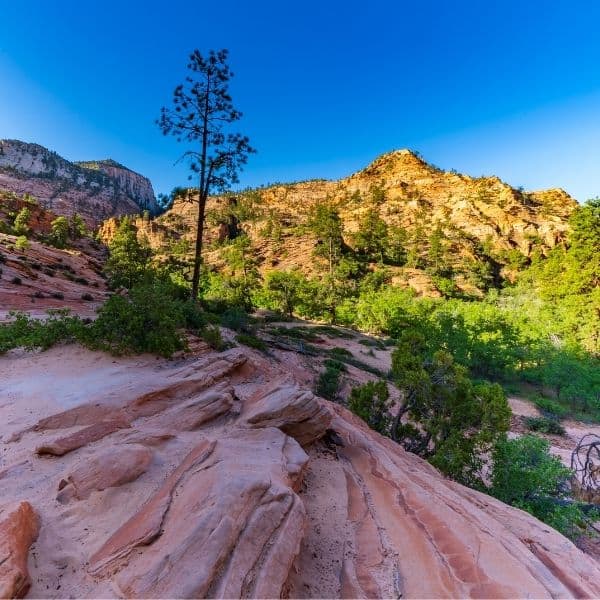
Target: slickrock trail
222,475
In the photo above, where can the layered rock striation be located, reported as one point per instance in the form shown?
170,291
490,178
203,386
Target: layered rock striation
96,189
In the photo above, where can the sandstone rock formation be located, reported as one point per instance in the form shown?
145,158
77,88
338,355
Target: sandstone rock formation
116,466
227,478
96,189
19,528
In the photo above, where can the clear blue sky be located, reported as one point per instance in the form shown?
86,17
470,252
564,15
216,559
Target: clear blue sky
503,87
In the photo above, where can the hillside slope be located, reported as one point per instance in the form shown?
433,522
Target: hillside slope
479,223
96,190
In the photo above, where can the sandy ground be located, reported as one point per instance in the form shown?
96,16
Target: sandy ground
561,446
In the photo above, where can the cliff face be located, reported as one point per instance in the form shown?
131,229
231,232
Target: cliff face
478,219
96,190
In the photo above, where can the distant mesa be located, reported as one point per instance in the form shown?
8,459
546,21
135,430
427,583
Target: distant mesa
95,189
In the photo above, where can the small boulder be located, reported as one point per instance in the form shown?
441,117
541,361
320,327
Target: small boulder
19,528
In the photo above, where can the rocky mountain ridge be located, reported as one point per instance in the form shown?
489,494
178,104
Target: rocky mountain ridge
480,221
95,189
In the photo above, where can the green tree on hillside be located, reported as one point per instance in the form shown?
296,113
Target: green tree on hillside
243,277
201,111
395,250
371,402
371,239
325,223
569,280
129,260
77,227
437,254
60,232
21,224
286,290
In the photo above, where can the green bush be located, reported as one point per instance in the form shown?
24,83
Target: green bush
211,334
328,383
300,333
60,232
21,224
251,341
341,353
371,402
550,407
235,318
22,243
452,421
29,333
129,260
149,319
544,425
527,476
332,363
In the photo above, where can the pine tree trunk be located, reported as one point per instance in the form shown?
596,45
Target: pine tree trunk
202,196
198,252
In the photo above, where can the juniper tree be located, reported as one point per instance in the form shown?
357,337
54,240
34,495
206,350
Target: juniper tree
201,113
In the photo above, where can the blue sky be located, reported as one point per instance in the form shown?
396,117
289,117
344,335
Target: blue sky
507,88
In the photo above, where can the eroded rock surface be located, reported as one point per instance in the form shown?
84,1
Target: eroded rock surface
231,503
403,530
19,526
115,466
297,412
222,475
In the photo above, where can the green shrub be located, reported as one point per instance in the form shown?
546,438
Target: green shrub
129,260
544,425
372,343
16,280
301,333
59,232
332,363
333,332
24,331
328,383
371,402
526,475
452,421
22,243
550,407
340,353
195,318
211,334
251,341
235,318
148,320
